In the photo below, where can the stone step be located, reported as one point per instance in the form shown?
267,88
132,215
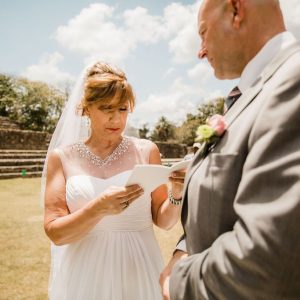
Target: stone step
21,155
20,169
6,123
9,151
21,162
18,174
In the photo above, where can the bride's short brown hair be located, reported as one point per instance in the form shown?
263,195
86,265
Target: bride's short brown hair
103,83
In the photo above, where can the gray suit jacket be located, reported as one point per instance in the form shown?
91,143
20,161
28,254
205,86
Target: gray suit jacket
241,211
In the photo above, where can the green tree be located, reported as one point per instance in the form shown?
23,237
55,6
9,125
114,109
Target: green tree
7,95
33,105
186,133
210,108
164,131
39,106
144,131
36,106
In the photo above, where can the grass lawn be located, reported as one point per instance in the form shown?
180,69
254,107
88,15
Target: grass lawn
24,248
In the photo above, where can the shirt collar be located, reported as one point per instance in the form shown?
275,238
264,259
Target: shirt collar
255,67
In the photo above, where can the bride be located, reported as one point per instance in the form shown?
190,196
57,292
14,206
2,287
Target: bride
103,244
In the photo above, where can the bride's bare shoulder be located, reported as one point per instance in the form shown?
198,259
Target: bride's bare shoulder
147,149
61,154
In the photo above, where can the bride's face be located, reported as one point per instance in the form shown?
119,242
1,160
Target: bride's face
108,119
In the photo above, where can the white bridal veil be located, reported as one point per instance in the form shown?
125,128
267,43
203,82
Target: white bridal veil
70,128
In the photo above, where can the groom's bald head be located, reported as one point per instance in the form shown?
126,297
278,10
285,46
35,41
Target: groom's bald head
233,31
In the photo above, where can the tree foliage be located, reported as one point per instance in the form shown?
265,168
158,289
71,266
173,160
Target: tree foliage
7,95
186,133
206,110
33,105
164,131
144,132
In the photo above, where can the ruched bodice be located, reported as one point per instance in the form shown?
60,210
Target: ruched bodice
81,189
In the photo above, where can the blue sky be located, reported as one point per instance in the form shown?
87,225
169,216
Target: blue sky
155,42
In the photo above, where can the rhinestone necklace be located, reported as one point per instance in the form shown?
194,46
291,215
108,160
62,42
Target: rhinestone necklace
85,152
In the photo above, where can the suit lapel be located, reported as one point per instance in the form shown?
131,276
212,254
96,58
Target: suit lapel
279,60
232,114
255,89
244,101
194,165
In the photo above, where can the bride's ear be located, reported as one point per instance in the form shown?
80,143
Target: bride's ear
86,112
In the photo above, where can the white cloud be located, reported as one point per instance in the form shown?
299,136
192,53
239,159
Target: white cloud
142,27
291,12
47,70
93,33
201,72
181,20
169,72
100,33
174,104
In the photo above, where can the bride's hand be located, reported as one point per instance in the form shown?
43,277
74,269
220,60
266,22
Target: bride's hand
115,199
177,180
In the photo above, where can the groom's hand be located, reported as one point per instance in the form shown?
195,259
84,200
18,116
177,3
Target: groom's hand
165,275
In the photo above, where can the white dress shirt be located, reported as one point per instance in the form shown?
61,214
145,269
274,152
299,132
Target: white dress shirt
255,67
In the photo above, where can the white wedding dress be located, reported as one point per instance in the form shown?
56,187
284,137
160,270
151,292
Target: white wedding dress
119,259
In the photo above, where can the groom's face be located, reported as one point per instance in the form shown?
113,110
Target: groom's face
219,38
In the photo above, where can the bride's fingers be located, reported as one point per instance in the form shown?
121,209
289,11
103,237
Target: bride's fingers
125,204
131,196
178,174
131,189
176,180
134,196
134,192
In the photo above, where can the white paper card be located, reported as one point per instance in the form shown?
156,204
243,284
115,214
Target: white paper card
150,177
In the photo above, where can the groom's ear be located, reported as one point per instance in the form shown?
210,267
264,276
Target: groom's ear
238,12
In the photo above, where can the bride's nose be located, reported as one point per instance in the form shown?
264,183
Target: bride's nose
115,116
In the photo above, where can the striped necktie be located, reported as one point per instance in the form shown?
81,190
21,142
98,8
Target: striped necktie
232,97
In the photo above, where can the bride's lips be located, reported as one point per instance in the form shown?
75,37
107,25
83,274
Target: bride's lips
113,129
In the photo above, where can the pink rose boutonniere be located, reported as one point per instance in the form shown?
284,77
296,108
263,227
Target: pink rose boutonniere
210,133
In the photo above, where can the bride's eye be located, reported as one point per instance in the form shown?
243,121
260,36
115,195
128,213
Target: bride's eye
105,108
123,109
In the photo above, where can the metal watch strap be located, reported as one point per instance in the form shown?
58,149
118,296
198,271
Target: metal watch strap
172,200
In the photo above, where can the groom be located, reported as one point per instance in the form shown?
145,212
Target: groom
241,211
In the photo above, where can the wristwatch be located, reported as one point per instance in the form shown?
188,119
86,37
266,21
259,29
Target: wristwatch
173,200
